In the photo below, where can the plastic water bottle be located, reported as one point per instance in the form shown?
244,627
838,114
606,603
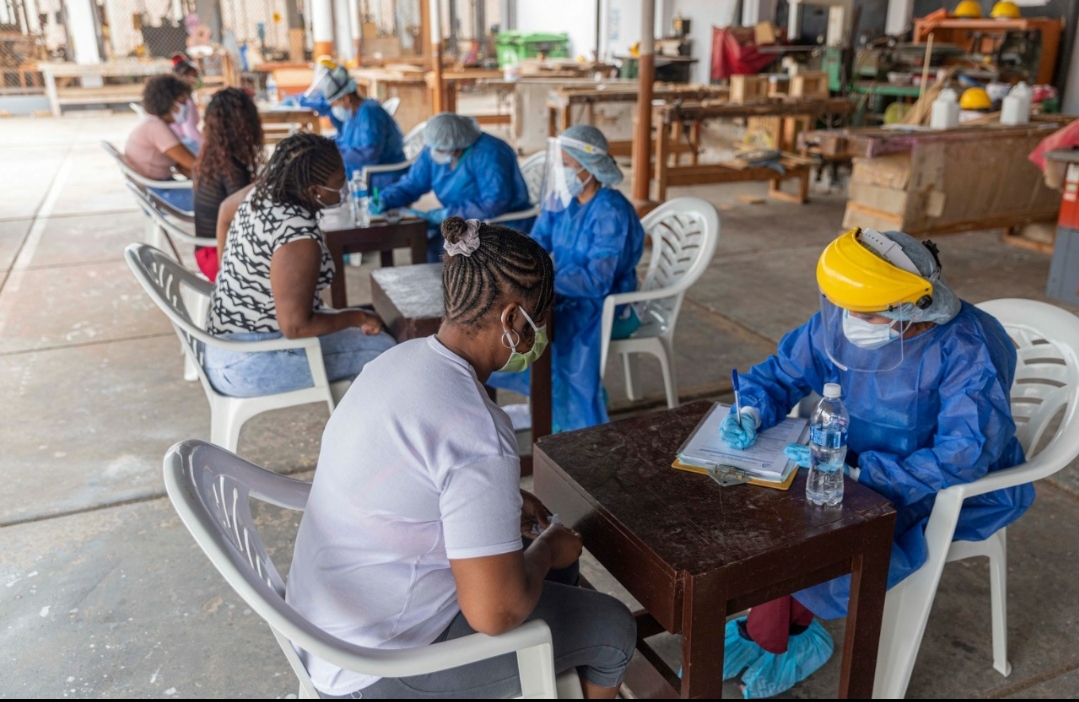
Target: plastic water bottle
271,89
361,215
827,449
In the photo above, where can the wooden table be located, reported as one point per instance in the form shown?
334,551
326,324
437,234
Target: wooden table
665,117
694,553
106,94
409,300
282,121
381,236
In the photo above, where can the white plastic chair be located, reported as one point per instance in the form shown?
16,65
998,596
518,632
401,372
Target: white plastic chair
168,223
1046,381
142,181
211,488
532,170
413,145
137,109
684,235
391,105
173,288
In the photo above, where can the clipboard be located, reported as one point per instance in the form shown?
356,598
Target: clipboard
726,476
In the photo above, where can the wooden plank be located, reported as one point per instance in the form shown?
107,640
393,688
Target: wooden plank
879,198
748,89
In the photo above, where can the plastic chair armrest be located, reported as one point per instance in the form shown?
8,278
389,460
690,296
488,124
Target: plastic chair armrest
998,480
639,296
386,167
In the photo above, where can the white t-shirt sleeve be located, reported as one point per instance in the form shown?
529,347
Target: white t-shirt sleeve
480,505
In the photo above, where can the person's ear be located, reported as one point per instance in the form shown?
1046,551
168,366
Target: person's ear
314,194
508,316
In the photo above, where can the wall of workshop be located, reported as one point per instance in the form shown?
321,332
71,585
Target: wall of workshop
574,17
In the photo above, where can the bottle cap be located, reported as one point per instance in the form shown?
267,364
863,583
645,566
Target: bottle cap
832,391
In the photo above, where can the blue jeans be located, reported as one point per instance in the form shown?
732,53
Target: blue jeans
244,374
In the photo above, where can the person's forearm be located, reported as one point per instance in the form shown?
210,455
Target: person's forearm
537,559
321,323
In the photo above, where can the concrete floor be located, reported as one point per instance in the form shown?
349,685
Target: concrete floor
105,594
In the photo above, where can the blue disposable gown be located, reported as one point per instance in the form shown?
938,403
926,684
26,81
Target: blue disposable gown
485,182
370,138
941,418
595,248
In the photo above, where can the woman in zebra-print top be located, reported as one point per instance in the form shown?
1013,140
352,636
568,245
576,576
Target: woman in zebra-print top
274,267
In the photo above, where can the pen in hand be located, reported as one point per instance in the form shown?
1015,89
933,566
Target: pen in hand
737,396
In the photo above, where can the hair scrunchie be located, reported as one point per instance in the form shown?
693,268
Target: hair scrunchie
468,243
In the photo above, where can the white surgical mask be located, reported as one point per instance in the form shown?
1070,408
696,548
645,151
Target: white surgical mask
441,157
179,115
341,113
867,335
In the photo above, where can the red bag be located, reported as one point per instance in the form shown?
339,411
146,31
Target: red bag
1064,138
734,52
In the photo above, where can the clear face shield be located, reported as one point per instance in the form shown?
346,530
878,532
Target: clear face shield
326,84
562,181
863,341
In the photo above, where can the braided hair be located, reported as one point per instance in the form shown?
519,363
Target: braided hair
506,262
298,162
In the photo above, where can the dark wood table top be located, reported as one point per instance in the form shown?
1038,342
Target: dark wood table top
409,299
692,524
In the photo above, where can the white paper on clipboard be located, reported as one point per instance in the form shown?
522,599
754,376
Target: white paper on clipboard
764,459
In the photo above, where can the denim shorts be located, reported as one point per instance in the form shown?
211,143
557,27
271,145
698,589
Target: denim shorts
241,374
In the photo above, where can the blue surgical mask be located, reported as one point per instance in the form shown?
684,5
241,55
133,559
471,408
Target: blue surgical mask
866,335
441,157
341,113
574,184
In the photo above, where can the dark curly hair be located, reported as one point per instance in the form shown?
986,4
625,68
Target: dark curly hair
298,162
161,92
231,136
505,262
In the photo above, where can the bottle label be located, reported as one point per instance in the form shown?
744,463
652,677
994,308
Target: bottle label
828,440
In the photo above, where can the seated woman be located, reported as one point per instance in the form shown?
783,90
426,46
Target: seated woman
152,149
188,130
412,532
229,160
274,268
366,134
595,238
926,379
474,175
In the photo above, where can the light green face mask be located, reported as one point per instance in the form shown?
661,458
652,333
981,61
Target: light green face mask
519,362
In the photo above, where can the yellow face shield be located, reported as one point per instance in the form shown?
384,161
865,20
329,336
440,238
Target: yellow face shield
854,278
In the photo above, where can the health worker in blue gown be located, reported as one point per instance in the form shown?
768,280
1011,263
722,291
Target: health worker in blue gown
595,238
926,379
366,134
473,174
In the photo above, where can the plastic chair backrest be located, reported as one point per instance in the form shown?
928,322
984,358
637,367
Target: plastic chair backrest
391,105
163,279
1047,371
533,169
414,142
684,234
136,177
137,108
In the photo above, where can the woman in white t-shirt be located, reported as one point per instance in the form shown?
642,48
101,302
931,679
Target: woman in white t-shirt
413,530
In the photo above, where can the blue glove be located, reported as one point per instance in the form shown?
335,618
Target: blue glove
799,453
738,436
434,217
851,472
374,206
317,104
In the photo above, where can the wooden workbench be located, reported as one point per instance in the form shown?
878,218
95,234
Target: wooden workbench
569,105
689,117
940,182
106,94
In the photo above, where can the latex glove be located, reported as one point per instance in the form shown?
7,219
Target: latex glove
319,105
799,453
374,206
739,436
851,472
435,217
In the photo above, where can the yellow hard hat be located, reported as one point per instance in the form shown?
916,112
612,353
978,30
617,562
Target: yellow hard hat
853,277
968,9
975,99
1005,9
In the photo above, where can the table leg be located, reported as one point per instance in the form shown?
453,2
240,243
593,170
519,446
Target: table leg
50,90
338,291
704,616
868,583
386,258
552,121
419,245
661,162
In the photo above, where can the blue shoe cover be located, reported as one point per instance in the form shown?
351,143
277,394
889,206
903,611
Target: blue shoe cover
773,673
738,653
